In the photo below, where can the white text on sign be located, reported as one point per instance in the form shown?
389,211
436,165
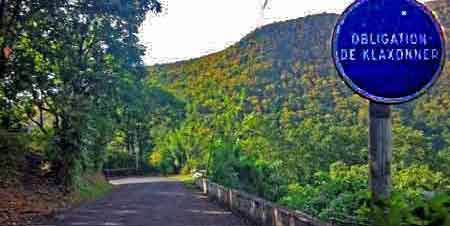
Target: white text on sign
389,47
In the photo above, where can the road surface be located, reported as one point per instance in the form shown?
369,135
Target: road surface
149,201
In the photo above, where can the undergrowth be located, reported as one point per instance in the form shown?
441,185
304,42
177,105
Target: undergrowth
90,188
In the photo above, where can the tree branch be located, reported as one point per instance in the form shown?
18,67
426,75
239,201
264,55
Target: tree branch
39,124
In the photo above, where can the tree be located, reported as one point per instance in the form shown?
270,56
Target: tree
68,58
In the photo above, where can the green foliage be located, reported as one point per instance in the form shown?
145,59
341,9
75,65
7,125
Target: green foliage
433,210
90,187
270,116
342,192
163,162
72,68
336,194
119,160
224,164
13,147
411,146
262,177
417,179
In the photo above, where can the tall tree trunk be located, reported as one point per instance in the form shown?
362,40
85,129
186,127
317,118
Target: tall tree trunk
137,151
67,139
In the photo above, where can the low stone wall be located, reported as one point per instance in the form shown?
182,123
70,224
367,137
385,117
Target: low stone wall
257,210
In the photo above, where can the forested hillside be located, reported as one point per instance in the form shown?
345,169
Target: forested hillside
270,115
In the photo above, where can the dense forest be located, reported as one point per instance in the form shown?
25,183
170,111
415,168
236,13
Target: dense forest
268,115
71,80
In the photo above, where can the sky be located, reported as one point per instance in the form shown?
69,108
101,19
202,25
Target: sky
192,28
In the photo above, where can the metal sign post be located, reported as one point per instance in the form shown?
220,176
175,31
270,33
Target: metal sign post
380,151
389,52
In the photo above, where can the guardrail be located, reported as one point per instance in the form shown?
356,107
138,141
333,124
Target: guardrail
257,210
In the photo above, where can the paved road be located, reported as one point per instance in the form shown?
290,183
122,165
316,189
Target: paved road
149,202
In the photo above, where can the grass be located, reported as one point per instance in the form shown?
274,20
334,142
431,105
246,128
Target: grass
91,188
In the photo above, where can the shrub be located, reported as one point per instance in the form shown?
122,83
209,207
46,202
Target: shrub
337,194
13,147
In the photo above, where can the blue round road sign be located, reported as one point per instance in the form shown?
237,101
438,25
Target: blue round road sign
389,51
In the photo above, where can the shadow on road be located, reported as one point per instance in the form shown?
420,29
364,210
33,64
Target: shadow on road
148,201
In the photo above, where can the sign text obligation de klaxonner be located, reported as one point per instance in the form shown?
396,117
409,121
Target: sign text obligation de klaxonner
389,51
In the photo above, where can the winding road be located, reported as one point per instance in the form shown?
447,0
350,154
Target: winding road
149,201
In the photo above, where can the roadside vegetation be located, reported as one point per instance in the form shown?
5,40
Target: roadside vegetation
72,89
90,187
270,116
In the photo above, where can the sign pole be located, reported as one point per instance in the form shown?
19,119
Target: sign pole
380,152
389,52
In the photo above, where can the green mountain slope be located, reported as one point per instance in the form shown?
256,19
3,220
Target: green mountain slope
270,60
270,115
